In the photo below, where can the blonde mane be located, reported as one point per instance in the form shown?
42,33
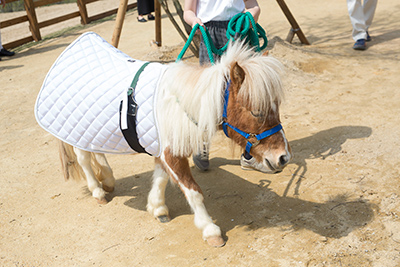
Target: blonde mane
191,97
262,86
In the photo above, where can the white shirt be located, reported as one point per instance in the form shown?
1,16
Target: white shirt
218,10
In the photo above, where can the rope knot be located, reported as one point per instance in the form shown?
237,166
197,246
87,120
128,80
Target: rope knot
241,26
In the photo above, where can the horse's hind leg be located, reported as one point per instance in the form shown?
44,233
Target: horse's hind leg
105,176
84,159
178,168
156,200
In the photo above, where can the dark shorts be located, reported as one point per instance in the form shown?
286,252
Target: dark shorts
217,30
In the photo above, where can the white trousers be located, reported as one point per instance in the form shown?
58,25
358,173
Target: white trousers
361,14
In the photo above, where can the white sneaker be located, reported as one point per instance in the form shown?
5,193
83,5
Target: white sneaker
252,164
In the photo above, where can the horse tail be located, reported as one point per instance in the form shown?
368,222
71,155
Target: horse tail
69,163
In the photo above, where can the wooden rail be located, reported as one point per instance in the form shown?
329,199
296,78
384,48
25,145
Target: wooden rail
35,26
295,26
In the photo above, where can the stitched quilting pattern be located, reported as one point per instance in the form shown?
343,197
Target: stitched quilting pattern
80,97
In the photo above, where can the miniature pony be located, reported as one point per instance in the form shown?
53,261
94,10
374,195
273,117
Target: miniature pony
242,91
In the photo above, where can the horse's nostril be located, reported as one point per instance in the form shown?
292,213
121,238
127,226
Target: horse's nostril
283,160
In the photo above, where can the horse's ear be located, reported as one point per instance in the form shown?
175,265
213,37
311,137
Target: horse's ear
237,74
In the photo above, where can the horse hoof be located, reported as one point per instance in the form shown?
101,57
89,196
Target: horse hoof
163,219
216,241
108,189
102,201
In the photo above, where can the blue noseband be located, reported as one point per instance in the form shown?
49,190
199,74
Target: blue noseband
258,137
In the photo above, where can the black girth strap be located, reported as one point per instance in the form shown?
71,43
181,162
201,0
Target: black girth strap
128,112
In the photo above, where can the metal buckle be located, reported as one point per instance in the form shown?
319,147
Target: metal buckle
132,106
130,91
253,136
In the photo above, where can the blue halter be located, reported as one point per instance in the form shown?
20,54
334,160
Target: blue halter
258,137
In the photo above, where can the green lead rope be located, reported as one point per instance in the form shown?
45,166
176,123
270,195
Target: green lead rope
243,25
207,41
240,26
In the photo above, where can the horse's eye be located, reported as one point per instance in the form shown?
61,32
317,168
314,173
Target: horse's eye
257,114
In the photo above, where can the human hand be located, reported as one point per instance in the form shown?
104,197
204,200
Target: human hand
196,20
253,8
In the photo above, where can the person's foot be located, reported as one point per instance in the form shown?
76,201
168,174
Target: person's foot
251,165
6,53
141,19
150,17
360,45
368,38
201,160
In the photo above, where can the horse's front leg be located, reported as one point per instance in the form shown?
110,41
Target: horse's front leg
178,168
156,199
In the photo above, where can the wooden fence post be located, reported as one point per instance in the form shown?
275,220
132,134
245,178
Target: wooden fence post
83,11
295,27
33,23
157,12
119,22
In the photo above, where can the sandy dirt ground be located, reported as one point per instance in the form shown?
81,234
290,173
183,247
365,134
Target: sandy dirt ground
336,204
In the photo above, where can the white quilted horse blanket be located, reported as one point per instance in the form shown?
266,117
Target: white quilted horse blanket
80,97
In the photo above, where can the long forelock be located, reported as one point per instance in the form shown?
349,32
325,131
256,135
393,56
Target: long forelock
262,86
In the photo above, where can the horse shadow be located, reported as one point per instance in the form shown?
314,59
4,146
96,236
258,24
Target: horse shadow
321,145
232,201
